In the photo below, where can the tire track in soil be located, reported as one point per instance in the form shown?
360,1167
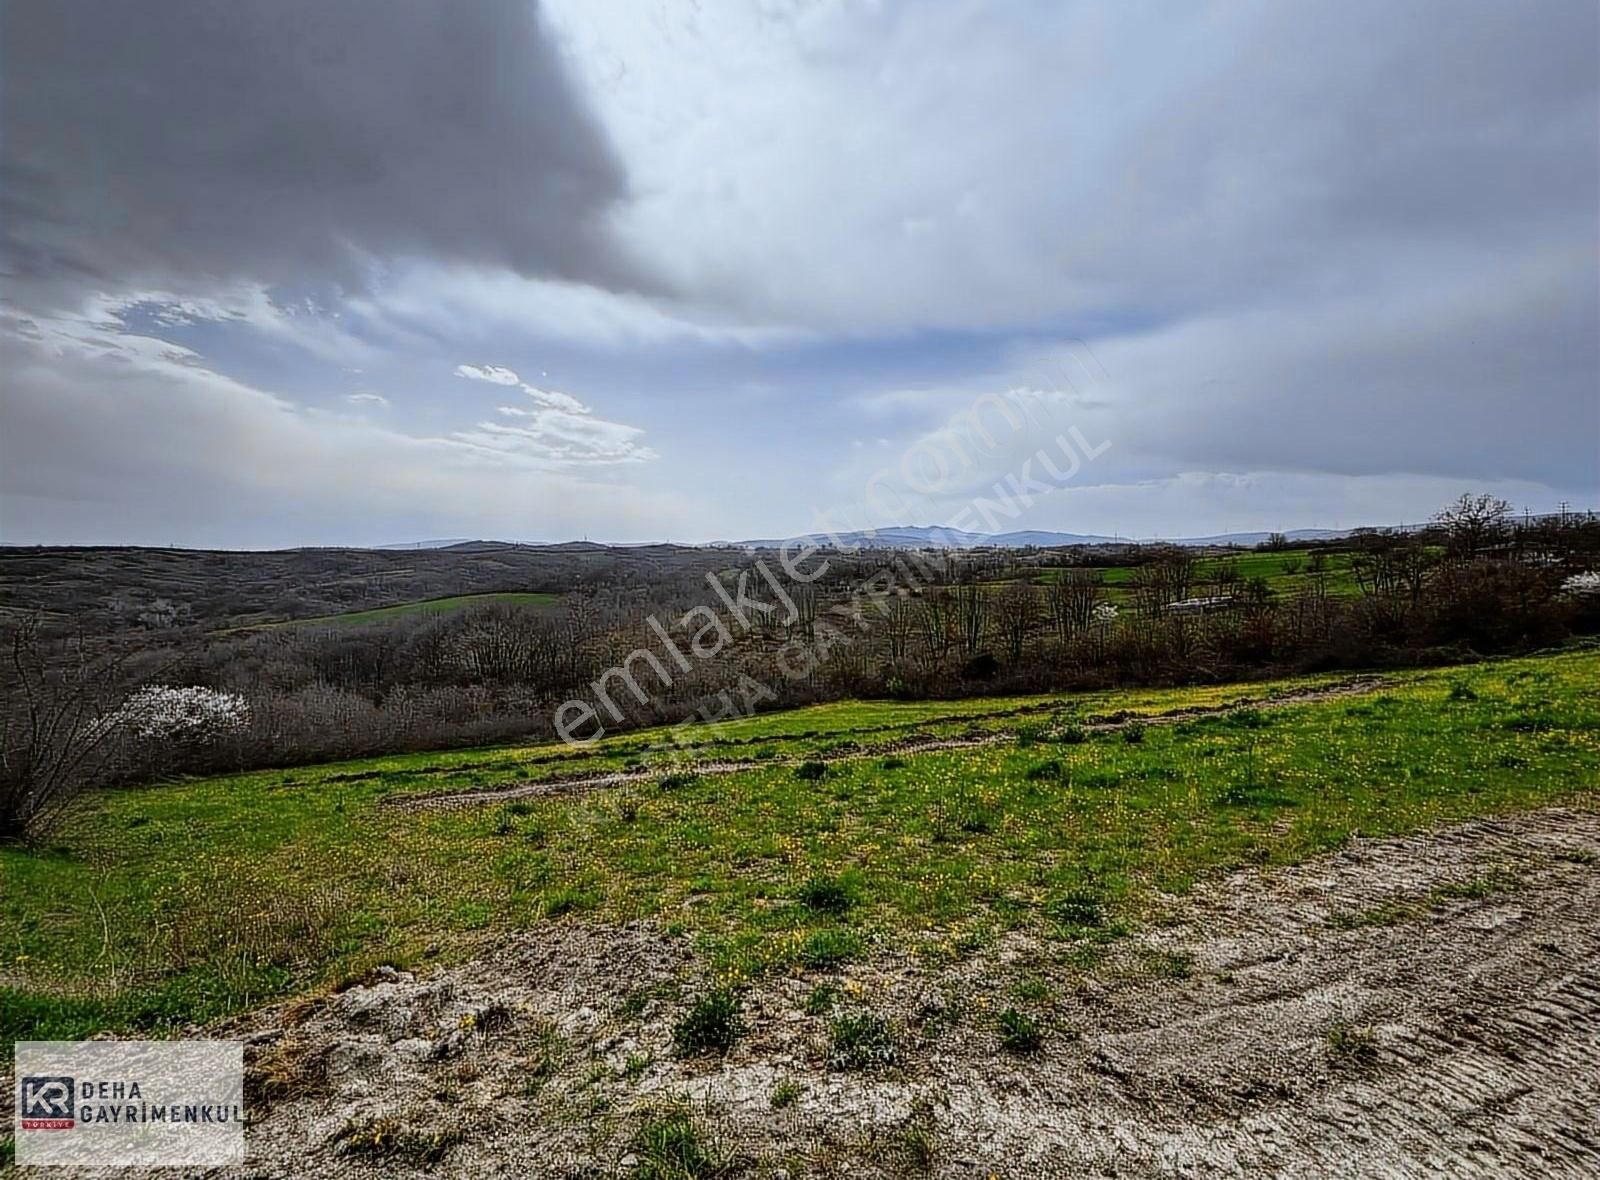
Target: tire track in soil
1483,1016
582,783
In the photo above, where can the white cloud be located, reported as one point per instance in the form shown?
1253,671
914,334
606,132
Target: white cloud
493,374
376,400
557,429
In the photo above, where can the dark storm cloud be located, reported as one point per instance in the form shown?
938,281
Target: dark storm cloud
188,142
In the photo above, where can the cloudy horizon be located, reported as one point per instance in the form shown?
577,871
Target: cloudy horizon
286,273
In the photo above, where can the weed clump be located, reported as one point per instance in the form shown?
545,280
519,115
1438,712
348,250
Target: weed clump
669,1146
1071,735
917,1141
388,1138
1247,719
492,1019
1053,769
861,1040
1030,734
892,762
1133,734
810,771
821,999
826,895
823,950
1351,1045
677,780
1078,909
1020,1034
286,1069
1033,989
1170,964
976,819
711,1025
561,902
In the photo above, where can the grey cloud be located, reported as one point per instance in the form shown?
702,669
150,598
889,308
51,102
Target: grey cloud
955,166
185,143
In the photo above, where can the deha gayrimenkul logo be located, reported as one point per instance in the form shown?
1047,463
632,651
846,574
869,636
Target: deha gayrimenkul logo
48,1103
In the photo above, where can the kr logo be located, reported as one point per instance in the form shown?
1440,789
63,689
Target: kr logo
48,1104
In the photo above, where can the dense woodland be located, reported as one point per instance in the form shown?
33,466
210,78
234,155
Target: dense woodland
133,664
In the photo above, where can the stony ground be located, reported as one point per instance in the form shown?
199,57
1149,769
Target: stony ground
1420,1007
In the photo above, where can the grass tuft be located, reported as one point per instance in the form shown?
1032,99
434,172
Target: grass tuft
1078,909
826,895
387,1138
826,949
1020,1034
1030,734
671,1146
1350,1045
713,1023
861,1040
822,998
1170,964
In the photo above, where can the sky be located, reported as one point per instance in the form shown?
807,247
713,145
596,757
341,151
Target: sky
284,272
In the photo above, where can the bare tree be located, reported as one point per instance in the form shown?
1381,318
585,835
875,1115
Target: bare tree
1016,614
1225,578
54,739
972,613
1072,599
900,622
1474,522
935,626
1165,580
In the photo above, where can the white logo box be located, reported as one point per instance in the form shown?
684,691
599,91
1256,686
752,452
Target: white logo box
129,1103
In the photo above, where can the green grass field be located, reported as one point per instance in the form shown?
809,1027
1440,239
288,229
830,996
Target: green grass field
429,606
1286,571
155,907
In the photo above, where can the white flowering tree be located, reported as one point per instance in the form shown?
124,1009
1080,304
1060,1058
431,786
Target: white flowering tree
190,714
1584,585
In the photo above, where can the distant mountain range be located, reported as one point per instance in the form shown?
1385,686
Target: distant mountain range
917,537
897,537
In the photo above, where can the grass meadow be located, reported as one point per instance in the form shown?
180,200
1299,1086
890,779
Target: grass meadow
157,907
426,606
1286,572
